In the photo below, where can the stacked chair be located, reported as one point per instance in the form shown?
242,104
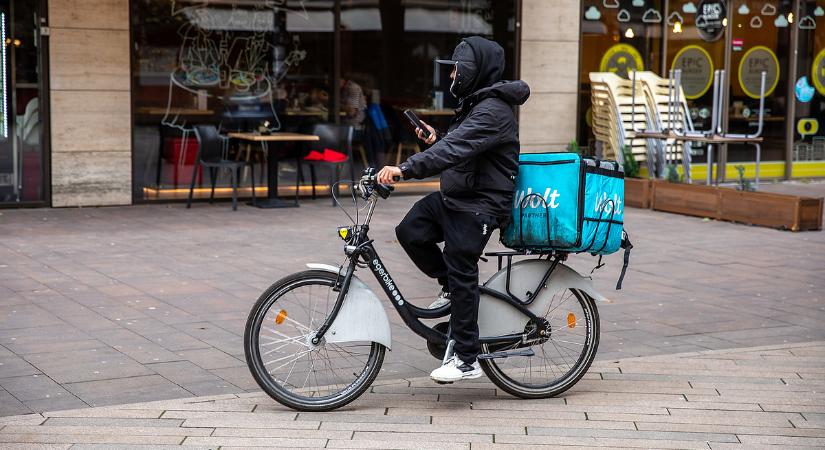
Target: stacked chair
622,107
665,98
615,118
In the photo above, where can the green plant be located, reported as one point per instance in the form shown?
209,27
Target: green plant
573,147
631,166
744,185
672,175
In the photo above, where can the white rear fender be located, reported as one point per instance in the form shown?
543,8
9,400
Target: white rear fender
496,317
362,317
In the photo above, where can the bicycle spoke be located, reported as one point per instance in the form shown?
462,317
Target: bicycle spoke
556,356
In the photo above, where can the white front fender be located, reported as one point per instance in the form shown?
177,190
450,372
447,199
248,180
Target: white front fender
361,318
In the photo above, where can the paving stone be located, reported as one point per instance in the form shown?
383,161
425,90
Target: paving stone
87,365
102,428
88,439
601,442
632,434
280,433
397,445
112,422
120,390
137,447
11,406
210,358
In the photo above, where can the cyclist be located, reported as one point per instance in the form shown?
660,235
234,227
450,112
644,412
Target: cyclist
478,161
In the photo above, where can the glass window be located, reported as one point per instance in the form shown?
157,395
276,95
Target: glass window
761,35
697,52
21,122
617,36
388,49
237,64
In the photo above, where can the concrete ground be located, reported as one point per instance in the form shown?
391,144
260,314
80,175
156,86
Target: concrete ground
109,306
751,398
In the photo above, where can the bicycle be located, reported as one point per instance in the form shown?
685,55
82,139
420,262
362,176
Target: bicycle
331,342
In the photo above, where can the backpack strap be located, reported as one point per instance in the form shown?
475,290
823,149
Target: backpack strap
627,246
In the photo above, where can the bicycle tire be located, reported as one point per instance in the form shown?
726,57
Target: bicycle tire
270,385
522,390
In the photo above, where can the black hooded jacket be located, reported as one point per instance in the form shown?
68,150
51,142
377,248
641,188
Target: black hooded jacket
478,157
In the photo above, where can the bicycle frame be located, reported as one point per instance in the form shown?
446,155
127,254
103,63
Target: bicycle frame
361,251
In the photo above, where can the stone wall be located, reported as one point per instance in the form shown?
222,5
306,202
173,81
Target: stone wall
90,102
550,65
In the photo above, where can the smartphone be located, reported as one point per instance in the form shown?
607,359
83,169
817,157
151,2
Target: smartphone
416,122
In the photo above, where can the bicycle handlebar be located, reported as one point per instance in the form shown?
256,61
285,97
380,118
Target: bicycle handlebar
368,184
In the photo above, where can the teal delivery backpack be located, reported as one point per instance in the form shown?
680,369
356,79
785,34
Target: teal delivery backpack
564,202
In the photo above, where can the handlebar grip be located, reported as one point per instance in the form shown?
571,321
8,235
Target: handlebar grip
396,178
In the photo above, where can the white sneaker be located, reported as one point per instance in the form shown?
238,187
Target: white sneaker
442,300
456,370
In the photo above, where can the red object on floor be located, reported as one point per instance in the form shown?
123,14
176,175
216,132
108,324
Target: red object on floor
314,155
334,156
183,159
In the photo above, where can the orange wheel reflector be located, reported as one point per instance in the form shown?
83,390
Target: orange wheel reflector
571,320
279,319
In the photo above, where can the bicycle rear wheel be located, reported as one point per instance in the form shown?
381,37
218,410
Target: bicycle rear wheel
562,354
282,358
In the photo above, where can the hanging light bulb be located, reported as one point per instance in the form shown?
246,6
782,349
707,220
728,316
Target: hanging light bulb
790,17
677,27
724,21
629,33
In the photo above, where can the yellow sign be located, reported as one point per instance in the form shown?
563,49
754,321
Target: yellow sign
697,70
818,72
807,127
343,232
621,59
755,61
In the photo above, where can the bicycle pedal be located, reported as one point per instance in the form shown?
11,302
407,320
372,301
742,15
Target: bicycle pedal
496,355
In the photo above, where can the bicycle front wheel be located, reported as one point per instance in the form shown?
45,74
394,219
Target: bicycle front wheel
566,337
284,361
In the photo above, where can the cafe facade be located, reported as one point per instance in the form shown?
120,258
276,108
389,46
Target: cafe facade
100,97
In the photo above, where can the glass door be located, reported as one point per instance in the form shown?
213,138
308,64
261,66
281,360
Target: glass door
21,116
809,91
761,38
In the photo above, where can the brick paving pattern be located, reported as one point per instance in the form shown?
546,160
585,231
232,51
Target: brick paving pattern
119,305
759,397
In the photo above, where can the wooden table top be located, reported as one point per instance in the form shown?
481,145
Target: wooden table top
173,111
714,139
275,136
434,112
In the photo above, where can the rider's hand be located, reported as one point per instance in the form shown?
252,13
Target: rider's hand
385,176
420,133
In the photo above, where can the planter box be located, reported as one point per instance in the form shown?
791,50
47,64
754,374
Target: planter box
755,208
637,192
771,210
689,199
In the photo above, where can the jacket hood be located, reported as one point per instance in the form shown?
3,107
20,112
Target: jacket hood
513,92
489,62
488,67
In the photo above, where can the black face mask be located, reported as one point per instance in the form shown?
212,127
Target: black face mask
465,75
466,70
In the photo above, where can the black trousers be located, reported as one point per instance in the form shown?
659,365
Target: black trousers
464,234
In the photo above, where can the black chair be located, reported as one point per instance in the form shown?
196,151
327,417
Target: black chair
211,154
334,137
